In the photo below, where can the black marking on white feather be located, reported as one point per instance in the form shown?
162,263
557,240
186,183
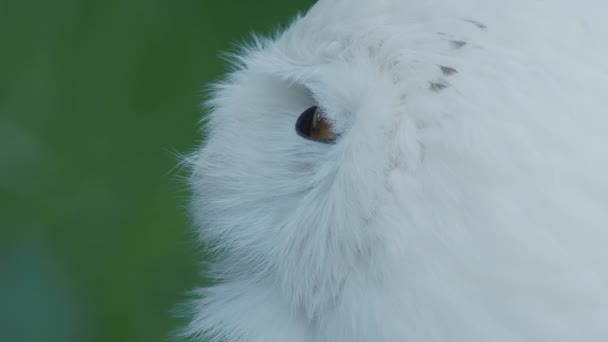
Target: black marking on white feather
447,71
479,25
437,87
457,44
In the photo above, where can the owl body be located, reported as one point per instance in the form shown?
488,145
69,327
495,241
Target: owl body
464,197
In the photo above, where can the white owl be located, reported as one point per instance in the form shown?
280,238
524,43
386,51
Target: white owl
410,171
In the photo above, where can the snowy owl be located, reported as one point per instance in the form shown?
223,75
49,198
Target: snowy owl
410,171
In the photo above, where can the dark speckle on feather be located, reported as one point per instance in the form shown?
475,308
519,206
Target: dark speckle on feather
436,87
448,71
477,23
457,44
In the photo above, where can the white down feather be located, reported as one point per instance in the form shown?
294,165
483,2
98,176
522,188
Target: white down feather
467,203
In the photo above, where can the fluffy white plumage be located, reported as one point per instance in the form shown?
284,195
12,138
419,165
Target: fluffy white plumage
463,203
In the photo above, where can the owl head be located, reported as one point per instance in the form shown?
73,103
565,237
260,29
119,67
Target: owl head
397,139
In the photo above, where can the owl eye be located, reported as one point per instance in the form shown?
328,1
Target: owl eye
314,126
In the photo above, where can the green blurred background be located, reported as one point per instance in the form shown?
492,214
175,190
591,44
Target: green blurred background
96,99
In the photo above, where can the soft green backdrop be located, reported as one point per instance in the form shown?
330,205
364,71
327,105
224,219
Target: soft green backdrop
96,98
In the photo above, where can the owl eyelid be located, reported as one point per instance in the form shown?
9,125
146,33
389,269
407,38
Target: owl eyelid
311,125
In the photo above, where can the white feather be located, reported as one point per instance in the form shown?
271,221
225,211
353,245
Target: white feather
468,203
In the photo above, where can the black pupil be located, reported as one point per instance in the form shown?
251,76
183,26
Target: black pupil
305,122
